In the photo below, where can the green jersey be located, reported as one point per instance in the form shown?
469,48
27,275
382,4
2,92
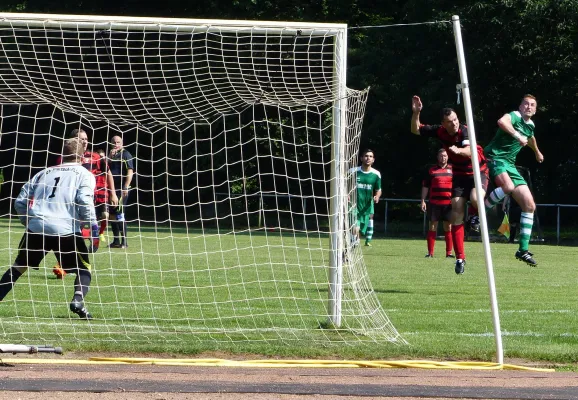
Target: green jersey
506,147
368,183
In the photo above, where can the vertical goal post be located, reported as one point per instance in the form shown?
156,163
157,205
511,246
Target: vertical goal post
259,110
464,85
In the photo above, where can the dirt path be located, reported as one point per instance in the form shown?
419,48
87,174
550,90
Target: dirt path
144,382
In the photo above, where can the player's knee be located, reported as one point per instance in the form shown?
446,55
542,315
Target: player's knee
530,206
105,215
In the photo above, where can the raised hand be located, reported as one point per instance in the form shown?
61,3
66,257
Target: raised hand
416,104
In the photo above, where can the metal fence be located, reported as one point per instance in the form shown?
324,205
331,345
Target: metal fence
564,215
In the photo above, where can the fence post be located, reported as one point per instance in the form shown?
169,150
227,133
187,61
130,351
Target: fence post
558,226
385,222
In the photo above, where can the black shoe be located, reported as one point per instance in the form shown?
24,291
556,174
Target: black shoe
460,265
78,308
526,256
475,223
429,256
117,246
450,256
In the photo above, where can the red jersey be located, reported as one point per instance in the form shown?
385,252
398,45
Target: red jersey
461,165
439,182
97,165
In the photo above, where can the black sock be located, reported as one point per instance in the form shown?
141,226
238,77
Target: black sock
115,231
7,281
124,233
81,284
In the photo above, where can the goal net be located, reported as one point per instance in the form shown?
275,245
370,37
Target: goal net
243,135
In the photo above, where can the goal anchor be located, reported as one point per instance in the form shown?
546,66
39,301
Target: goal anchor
29,349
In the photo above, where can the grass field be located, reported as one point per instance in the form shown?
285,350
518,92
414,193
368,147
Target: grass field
171,280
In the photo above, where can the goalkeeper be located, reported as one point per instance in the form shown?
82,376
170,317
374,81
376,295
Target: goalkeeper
368,183
51,206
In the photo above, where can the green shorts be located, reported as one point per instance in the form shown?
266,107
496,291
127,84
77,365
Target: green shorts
498,167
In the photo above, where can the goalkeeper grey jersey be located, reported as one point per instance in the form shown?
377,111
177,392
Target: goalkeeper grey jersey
58,199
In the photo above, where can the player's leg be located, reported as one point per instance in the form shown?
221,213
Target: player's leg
433,215
446,218
369,233
73,255
123,224
116,217
103,215
524,198
474,219
458,234
501,173
363,223
31,251
431,235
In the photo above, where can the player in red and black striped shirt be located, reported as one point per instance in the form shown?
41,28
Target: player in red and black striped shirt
454,138
104,184
438,182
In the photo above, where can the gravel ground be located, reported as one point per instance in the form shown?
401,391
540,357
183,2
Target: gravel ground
148,382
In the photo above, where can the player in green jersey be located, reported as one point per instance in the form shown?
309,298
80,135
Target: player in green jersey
516,130
368,183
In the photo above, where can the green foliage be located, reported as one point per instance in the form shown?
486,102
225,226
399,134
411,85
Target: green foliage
512,47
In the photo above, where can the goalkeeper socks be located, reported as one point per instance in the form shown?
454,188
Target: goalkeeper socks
8,279
458,239
449,242
82,282
494,198
526,222
369,233
431,242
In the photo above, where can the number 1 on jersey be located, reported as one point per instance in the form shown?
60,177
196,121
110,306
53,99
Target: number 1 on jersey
56,180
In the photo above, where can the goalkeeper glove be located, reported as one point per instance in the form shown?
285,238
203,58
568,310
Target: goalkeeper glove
95,239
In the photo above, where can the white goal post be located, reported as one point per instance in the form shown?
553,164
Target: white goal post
257,110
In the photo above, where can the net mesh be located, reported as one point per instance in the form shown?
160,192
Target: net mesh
232,131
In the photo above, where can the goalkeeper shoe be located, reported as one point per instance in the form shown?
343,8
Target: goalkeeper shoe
460,266
59,272
526,256
79,309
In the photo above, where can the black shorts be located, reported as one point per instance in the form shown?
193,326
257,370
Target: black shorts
70,250
436,212
462,185
100,209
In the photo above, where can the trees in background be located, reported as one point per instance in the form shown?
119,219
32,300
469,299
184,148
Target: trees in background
512,47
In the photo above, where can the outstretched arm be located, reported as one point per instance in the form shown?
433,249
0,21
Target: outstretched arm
416,106
533,144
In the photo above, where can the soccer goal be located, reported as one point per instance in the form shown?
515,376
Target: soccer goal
242,134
